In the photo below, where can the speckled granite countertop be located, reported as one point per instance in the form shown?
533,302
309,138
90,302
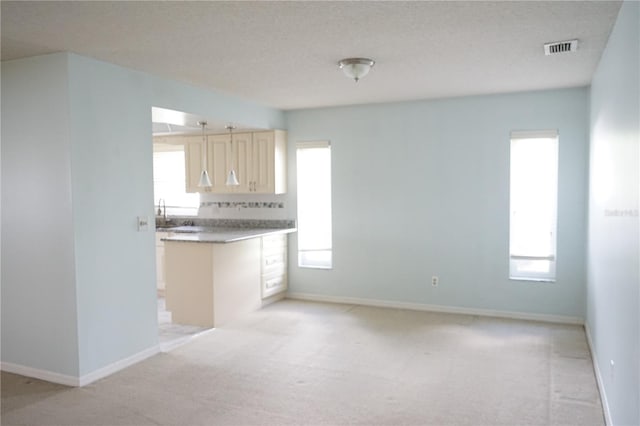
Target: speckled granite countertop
199,234
220,231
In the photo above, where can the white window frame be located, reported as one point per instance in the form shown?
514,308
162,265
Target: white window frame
183,204
522,260
314,252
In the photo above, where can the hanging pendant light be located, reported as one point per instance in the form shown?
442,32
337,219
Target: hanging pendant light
232,179
205,182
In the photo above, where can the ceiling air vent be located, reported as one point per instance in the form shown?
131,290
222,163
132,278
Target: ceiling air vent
560,47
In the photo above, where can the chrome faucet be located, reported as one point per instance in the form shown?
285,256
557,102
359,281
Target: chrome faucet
162,209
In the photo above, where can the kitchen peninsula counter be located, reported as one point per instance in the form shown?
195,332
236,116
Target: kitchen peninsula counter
216,273
220,235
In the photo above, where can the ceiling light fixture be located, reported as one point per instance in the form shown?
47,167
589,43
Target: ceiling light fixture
232,179
356,68
205,182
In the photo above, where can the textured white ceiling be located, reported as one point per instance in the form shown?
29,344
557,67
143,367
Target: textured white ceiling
284,54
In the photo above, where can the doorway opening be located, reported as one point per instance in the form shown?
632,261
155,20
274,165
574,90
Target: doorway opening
173,205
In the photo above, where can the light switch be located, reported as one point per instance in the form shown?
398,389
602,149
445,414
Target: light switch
143,223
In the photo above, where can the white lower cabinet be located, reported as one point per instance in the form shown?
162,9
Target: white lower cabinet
160,260
274,265
209,284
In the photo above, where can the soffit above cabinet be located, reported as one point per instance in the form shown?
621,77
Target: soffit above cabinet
171,122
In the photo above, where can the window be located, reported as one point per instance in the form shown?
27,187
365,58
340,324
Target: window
314,204
533,203
169,180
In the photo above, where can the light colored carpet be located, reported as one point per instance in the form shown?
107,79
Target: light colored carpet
324,364
170,334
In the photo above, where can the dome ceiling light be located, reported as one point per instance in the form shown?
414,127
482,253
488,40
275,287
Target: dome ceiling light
356,68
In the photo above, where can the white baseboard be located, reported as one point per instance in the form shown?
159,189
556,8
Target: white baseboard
36,373
599,381
75,381
436,308
118,365
272,299
169,346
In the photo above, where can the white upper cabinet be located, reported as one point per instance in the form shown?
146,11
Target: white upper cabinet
265,163
242,146
218,156
193,154
259,160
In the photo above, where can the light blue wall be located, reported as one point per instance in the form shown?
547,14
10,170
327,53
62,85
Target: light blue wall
613,289
112,184
77,169
39,324
422,189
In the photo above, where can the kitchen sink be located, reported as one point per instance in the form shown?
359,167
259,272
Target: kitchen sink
163,224
176,225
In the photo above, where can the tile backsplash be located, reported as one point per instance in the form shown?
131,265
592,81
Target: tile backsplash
242,206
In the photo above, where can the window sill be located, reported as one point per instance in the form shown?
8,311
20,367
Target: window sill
327,268
537,280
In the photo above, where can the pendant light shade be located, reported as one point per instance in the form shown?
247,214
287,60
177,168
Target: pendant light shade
356,68
204,182
204,179
232,179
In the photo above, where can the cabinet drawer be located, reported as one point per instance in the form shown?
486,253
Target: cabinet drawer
280,269
274,242
273,284
274,263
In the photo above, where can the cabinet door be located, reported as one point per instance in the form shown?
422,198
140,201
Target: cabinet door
193,154
160,281
263,163
219,162
242,151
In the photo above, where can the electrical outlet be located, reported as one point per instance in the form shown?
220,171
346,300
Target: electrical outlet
434,281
